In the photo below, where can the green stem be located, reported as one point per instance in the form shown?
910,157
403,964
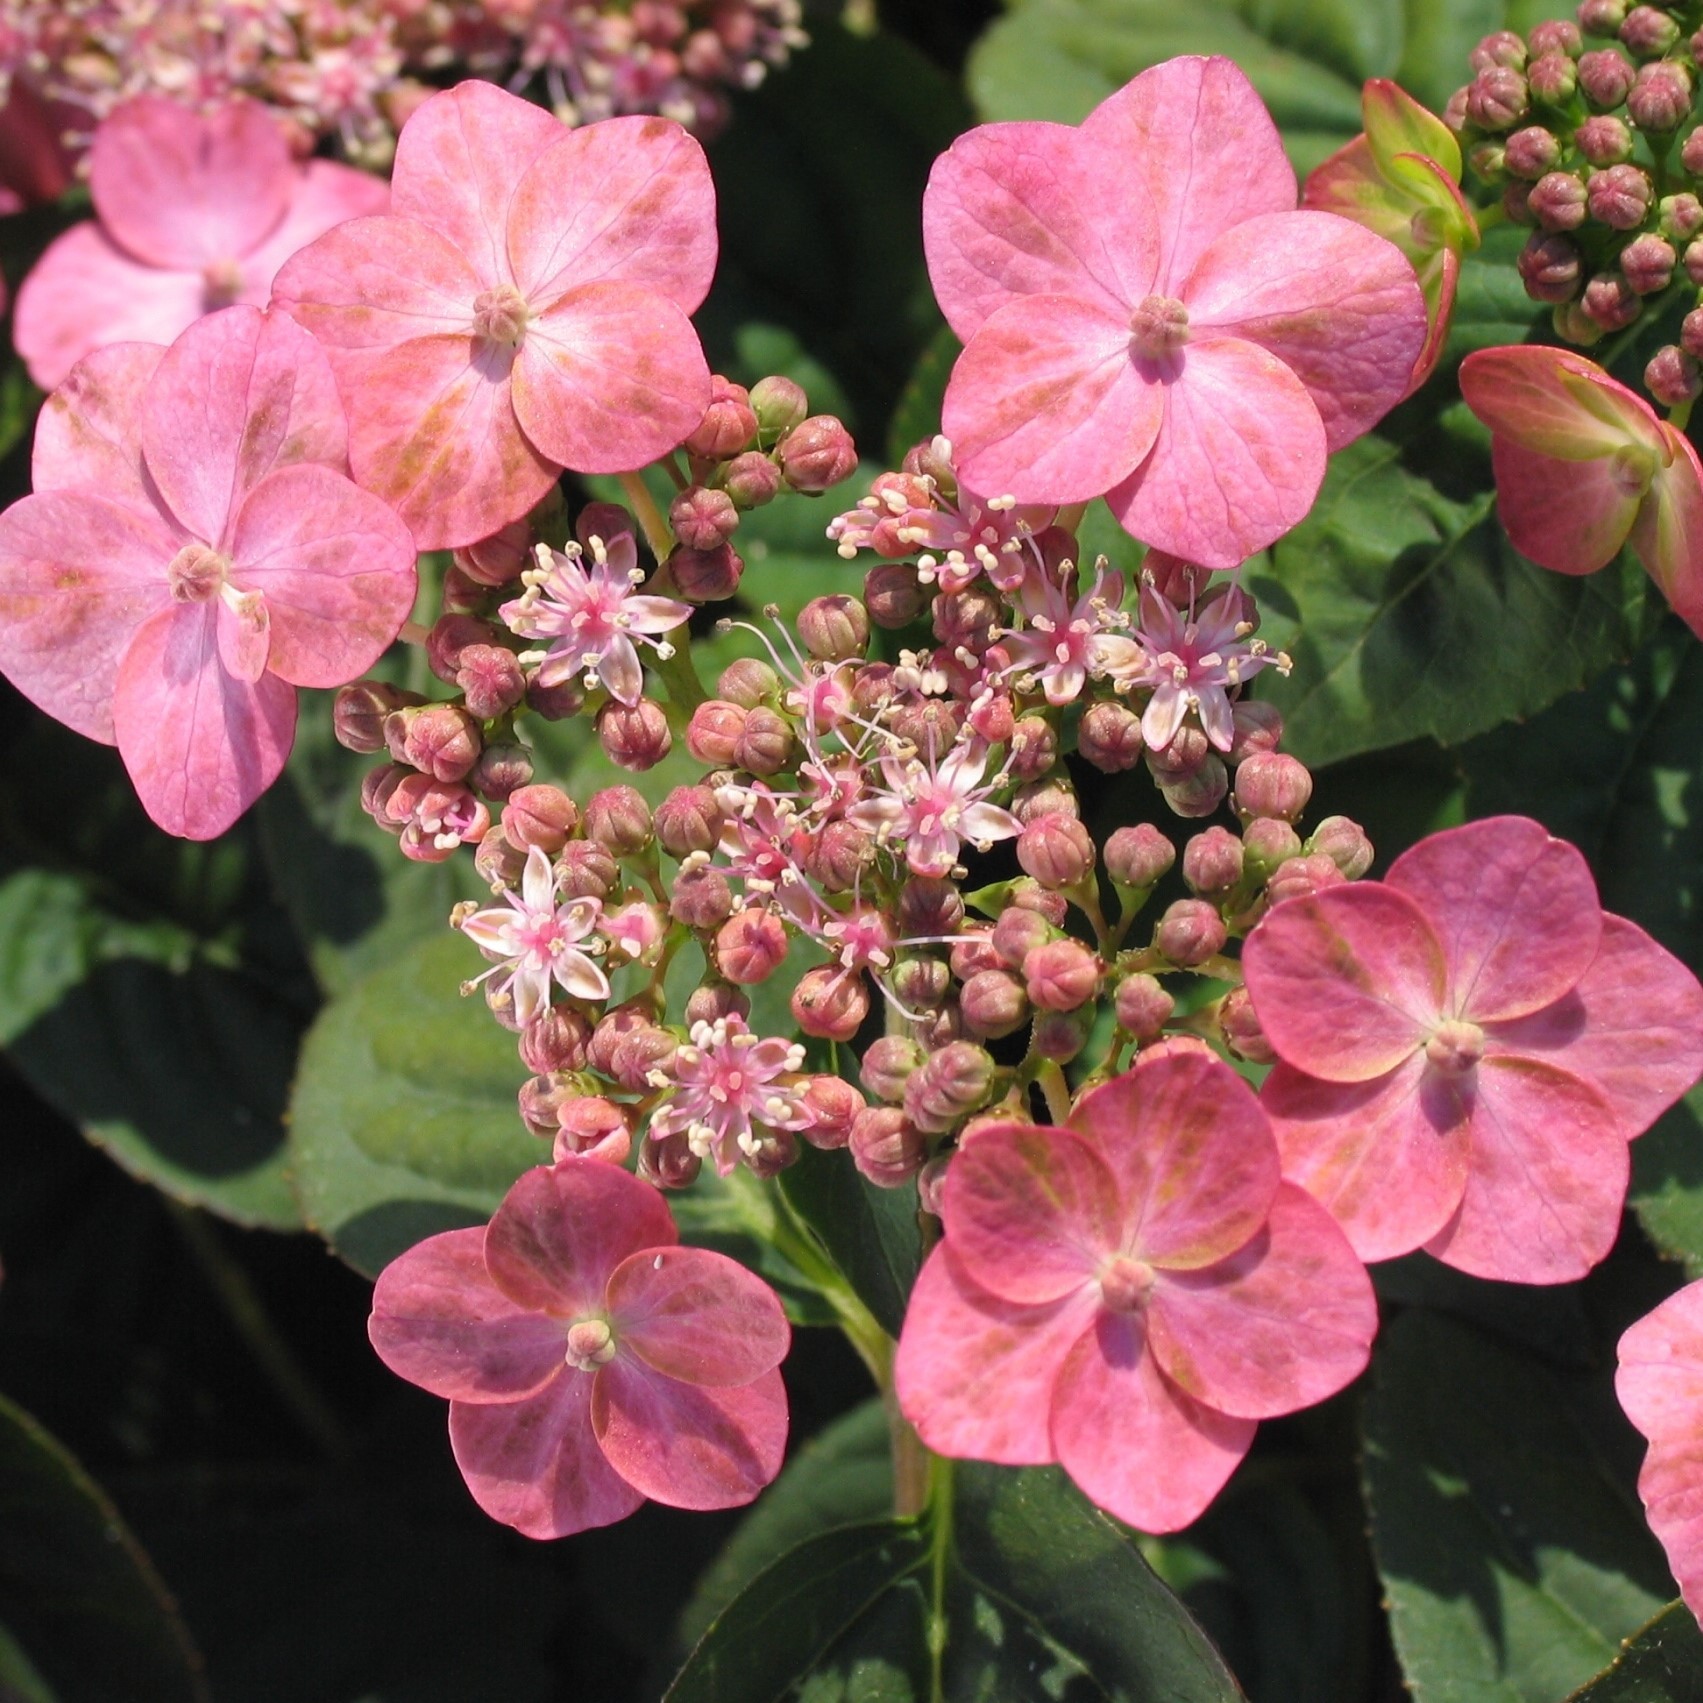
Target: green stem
940,1532
656,530
1055,1090
679,673
1679,416
911,1461
413,633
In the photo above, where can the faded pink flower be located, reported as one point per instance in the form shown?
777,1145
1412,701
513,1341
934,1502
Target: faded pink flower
1147,315
193,552
1131,1294
589,1361
194,212
1467,1047
925,811
1583,467
522,310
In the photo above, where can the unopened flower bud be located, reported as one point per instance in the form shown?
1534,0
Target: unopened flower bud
1029,895
1661,98
1017,933
1610,302
834,628
1060,1035
1254,726
1559,201
1501,47
712,736
886,1146
613,1028
1273,783
1691,152
1241,1029
706,576
442,741
1648,33
1344,843
1138,857
555,1041
1692,260
700,898
1034,748
972,952
750,946
1212,861
502,770
1516,203
765,742
893,595
605,521
1061,975
1552,79
1680,217
1497,99
1531,152
586,870
1488,160
1691,333
993,1004
619,820
669,1163
1143,1006
921,982
840,856
712,1001
1056,849
830,1003
554,703
1601,17
888,1064
1606,78
1109,737
634,736
1190,932
499,863
542,816
1555,35
541,1098
1648,262
1268,842
779,405
1604,141
689,820
1573,325
640,1052
836,1105
748,683
450,636
1198,794
1301,877
359,711
929,905
592,1127
752,479
816,454
1052,795
491,679
500,559
966,617
1187,749
1673,376
728,425
1619,196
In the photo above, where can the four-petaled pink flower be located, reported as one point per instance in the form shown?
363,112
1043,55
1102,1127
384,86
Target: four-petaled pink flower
1066,642
1660,1385
1467,1047
522,310
589,1360
1583,467
536,941
1148,316
193,552
591,616
927,810
1130,1294
196,211
727,1084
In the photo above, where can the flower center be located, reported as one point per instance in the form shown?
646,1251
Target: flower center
1125,1284
1455,1047
196,573
591,1343
1159,327
500,315
221,284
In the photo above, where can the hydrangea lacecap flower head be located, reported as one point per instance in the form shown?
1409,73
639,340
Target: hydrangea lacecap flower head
1148,316
196,211
590,1361
1131,1294
193,551
1583,466
1660,1386
1466,1047
521,310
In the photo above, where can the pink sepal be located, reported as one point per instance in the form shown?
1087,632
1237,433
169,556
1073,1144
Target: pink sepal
696,1315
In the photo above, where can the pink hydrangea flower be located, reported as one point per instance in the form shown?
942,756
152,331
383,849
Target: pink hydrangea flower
1467,1047
1584,467
195,211
589,1360
193,552
1660,1385
1067,641
522,310
927,811
1131,1294
1148,316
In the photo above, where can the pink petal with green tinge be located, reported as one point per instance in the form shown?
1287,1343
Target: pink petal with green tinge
1571,517
684,1445
88,435
1348,982
1397,124
1279,1325
440,1322
1515,909
696,1315
1668,533
1556,403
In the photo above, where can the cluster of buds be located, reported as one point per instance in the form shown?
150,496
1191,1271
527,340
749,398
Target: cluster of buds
1588,130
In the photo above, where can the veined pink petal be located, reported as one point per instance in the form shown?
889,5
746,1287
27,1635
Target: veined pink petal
562,1229
459,160
200,746
187,189
1557,403
609,378
1195,141
1338,305
1350,184
1004,216
1238,460
440,1322
240,393
1660,1377
1568,516
85,292
696,1315
1668,533
336,567
1046,403
78,576
1386,1158
1279,1325
1516,912
88,435
1031,1214
974,1374
323,195
535,1464
628,200
1192,1152
245,638
1546,1177
1135,1444
1348,982
1671,1488
685,1445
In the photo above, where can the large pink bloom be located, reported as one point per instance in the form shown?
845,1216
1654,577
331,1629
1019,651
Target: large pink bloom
1660,1385
589,1361
524,310
1584,467
1467,1047
1149,317
195,212
1129,1295
193,552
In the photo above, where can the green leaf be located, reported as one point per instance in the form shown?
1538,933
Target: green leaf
1409,615
84,1610
19,400
1513,1563
1661,1663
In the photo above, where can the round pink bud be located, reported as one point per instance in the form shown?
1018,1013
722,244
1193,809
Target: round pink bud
894,595
500,559
1143,1006
958,1078
359,710
1496,99
922,982
1053,795
605,521
450,636
712,736
728,425
689,820
1190,932
1552,79
1268,842
715,1000
1344,843
499,863
1137,857
491,679
836,1105
931,725
461,595
765,742
1618,196
972,952
613,1028
706,576
1604,140
502,770
700,898
1606,77
1061,1035
930,904
1610,302
1516,203
1661,98
1272,783
1254,726
993,1004
888,1065
1559,201
1681,216
1601,17
1502,47
1673,376
750,946
816,454
442,741
634,736
1556,35
1648,33
1199,794
1691,152
752,479
830,1003
1301,877
1692,261
1061,975
1212,861
542,816
1185,753
886,1146
586,870
748,683
619,820
931,1179
1241,1028
1056,849
1691,333
1488,160
1573,326
835,628
554,703
1034,748
1109,737
669,1163
1648,263
593,1128
639,1052
542,1098
780,405
1028,895
841,854
554,1041
1454,110
1531,152
966,618
1018,933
